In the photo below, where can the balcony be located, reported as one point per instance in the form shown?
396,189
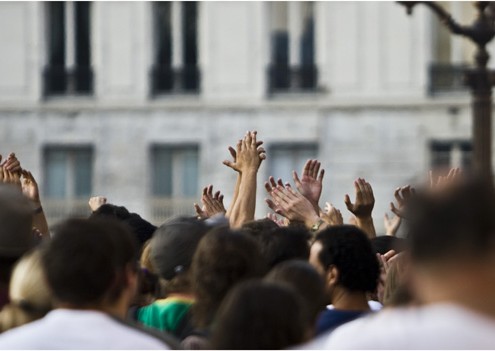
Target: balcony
446,78
167,80
283,78
57,210
164,208
58,80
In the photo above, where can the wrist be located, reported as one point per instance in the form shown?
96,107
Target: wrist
311,221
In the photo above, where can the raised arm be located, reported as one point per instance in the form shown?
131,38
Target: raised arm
31,191
249,157
362,206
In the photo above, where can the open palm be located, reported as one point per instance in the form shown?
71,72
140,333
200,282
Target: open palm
310,185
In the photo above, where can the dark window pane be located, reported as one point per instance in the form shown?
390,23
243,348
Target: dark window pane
83,164
56,33
189,23
308,36
82,32
280,48
162,172
163,33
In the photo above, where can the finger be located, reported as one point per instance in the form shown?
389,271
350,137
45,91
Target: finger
239,146
398,197
228,164
217,195
327,207
272,182
210,190
307,167
271,204
316,169
389,254
198,210
220,198
357,189
348,203
232,152
268,187
297,181
261,150
395,210
205,191
253,138
259,143
320,178
280,183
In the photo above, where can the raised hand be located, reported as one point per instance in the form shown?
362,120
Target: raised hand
245,153
402,195
212,203
362,206
310,184
11,164
443,182
271,185
8,177
96,202
30,187
365,200
293,205
331,215
391,224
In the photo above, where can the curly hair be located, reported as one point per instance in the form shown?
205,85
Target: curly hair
348,249
223,259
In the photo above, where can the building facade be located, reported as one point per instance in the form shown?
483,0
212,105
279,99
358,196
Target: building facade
138,101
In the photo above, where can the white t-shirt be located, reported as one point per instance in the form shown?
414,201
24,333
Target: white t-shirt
78,329
440,326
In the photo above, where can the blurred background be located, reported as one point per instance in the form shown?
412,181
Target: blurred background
138,101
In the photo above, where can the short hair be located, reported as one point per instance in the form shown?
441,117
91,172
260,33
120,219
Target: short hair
305,280
348,249
86,260
384,243
258,227
281,244
259,316
223,258
458,221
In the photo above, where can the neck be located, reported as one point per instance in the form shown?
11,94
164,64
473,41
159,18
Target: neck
469,285
117,309
343,299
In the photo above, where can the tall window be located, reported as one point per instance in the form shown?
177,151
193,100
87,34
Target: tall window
175,67
174,180
68,70
68,180
449,54
292,66
285,158
447,154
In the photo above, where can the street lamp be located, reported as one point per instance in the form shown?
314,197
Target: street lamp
479,79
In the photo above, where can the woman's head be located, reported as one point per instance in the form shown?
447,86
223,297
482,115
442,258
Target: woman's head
223,258
259,315
30,297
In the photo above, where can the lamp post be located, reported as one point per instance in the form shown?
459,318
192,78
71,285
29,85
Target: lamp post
479,79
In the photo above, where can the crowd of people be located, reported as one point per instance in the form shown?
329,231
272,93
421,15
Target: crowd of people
300,278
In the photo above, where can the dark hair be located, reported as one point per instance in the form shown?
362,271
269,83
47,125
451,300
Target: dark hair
223,258
306,281
258,227
384,243
281,244
348,249
142,229
449,224
259,316
85,262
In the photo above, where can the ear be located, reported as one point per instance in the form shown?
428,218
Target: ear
332,276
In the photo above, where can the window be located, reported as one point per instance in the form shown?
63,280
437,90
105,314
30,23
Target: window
450,54
292,62
68,70
451,153
285,158
67,181
175,67
174,180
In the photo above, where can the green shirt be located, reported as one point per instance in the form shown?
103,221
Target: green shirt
165,314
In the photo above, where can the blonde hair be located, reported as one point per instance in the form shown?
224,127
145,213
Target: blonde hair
30,297
395,292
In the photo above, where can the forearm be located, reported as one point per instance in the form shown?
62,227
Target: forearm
367,226
39,221
236,195
245,205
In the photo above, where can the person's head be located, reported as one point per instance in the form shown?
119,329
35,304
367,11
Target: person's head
16,237
142,229
258,227
259,316
384,243
306,281
452,242
91,263
222,259
396,290
346,259
30,297
281,244
172,249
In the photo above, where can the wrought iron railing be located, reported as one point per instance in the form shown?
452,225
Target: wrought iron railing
164,208
283,78
446,78
165,79
58,80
